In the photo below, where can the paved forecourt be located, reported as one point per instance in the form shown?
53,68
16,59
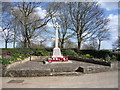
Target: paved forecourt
96,80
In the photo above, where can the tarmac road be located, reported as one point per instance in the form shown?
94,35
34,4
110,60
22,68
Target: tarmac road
94,80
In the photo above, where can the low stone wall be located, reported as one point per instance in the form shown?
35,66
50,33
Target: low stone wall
18,62
115,65
90,61
63,69
41,58
112,65
27,73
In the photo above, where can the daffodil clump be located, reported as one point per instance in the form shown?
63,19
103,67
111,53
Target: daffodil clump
0,57
87,55
19,59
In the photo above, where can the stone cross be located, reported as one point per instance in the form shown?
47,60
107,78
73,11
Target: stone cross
56,50
56,34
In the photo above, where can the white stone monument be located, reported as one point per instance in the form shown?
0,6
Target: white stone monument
57,57
56,50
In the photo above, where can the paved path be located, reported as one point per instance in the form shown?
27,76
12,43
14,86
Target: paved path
95,80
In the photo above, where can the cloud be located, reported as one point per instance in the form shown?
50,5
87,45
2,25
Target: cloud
108,5
113,24
113,21
39,11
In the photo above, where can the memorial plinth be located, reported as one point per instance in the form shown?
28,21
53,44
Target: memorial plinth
56,53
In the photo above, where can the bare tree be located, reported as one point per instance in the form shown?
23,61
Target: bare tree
64,21
64,32
83,19
7,32
28,21
7,35
70,44
86,20
92,44
102,35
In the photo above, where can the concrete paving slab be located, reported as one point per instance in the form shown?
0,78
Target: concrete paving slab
97,80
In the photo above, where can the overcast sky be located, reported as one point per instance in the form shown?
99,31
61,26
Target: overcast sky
111,12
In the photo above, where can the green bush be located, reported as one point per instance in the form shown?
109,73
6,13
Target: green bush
12,51
20,55
108,58
41,52
0,60
7,61
113,58
96,53
101,59
15,54
69,52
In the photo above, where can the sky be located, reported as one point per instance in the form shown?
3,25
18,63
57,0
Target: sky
111,12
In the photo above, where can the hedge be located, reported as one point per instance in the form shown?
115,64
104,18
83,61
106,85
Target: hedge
65,52
99,53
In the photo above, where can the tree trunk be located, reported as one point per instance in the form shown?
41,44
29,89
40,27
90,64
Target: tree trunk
25,43
62,43
28,42
14,42
14,38
79,41
99,44
6,43
79,44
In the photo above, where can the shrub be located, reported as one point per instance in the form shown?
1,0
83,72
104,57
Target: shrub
117,55
10,55
13,51
69,52
101,59
96,53
0,59
7,61
107,57
113,58
41,52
